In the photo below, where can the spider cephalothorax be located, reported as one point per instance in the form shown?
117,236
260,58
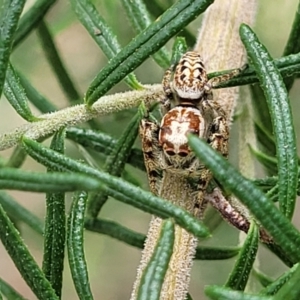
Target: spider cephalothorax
190,81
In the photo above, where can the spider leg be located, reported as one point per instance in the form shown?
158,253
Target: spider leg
232,215
218,140
215,81
152,152
166,83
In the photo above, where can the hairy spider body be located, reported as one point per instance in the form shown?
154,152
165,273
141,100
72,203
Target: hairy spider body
165,145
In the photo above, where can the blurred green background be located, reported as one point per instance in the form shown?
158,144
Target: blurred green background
112,264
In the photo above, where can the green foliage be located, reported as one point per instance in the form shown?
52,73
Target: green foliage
93,184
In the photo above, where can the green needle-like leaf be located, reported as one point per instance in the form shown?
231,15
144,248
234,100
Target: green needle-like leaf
293,44
140,20
39,101
9,292
136,239
76,254
154,274
263,279
281,116
118,188
269,162
31,18
211,253
243,266
8,25
15,179
284,233
291,289
221,293
115,162
101,33
20,213
23,260
103,144
179,48
156,9
275,286
287,65
145,44
55,228
116,231
17,158
16,96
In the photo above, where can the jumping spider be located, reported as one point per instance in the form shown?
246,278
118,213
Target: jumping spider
165,145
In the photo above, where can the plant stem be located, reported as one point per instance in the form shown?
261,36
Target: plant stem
176,189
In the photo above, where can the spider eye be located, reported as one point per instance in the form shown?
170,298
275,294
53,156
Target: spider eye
170,152
182,153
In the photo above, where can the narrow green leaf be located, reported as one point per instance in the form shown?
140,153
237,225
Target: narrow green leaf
20,213
154,274
39,101
276,285
145,44
239,275
115,162
76,254
56,63
263,279
17,158
293,44
212,253
16,96
116,231
281,116
103,144
269,162
101,33
140,19
287,65
136,239
291,289
23,260
31,18
15,179
179,48
272,194
55,228
8,25
221,293
9,292
266,139
118,189
156,10
279,227
267,182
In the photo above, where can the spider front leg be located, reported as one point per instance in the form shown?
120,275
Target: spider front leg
218,140
166,83
152,152
214,82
